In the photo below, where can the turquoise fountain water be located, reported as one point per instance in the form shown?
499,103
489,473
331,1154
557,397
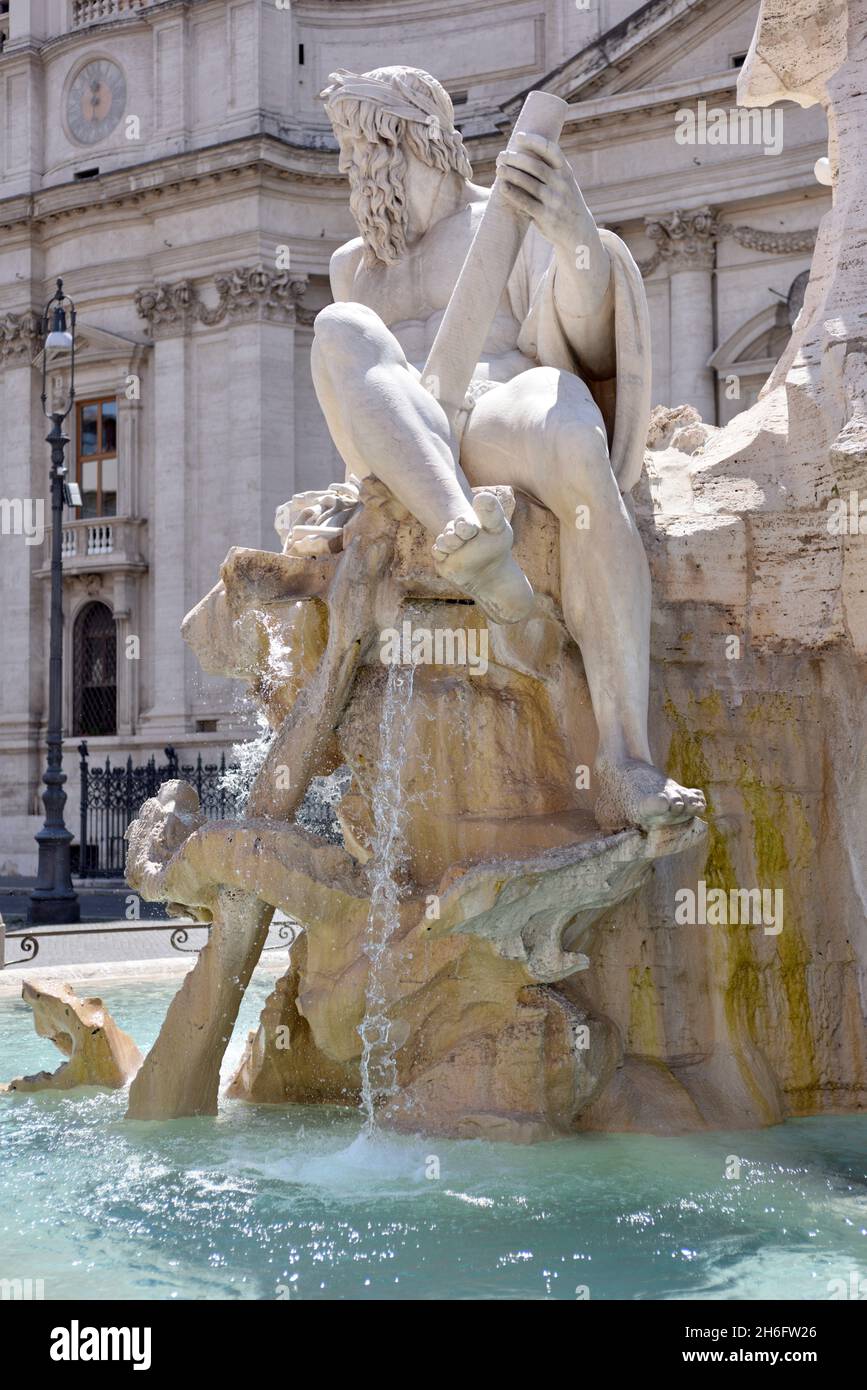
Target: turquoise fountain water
281,1203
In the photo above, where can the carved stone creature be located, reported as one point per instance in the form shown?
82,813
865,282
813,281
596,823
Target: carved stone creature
99,1053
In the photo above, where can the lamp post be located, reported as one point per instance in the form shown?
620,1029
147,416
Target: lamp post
54,900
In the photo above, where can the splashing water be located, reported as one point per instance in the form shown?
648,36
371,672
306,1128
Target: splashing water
318,811
248,757
378,1062
280,659
245,760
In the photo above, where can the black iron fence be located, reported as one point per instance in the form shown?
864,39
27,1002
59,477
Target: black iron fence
111,798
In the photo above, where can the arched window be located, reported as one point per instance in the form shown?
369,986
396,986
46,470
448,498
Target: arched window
94,672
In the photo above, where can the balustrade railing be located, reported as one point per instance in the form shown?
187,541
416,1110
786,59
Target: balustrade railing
97,11
95,538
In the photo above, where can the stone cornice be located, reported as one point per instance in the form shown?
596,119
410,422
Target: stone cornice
145,184
594,120
648,27
243,293
73,36
739,181
644,102
304,157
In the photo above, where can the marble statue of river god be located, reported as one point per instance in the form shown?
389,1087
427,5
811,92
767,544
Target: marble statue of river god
484,371
557,383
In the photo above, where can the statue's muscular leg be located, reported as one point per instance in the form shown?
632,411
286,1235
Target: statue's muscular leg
543,433
383,421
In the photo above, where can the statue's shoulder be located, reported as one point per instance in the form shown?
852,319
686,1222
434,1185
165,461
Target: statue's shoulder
342,267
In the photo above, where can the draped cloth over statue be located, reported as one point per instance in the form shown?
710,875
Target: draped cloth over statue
624,400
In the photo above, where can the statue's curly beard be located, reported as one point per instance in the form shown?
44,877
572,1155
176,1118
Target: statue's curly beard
378,202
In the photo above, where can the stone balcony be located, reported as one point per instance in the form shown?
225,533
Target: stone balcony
100,543
86,12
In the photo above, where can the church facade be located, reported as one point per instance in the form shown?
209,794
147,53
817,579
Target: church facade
172,163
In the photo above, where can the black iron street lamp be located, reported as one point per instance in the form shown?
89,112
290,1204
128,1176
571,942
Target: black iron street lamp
54,900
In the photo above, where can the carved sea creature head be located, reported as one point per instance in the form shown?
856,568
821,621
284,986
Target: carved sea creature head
164,822
382,118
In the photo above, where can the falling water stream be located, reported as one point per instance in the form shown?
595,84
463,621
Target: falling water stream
378,1065
378,1047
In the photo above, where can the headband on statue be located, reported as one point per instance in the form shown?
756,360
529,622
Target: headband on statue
392,93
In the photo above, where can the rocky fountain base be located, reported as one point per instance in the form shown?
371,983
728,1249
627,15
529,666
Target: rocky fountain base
436,975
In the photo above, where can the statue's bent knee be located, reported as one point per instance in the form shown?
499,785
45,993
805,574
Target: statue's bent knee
583,453
354,335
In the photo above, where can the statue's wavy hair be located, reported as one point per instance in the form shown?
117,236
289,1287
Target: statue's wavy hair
378,197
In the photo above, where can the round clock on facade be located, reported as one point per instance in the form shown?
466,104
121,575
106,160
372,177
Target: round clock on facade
95,101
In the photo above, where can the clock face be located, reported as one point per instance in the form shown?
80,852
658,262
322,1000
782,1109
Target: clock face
95,101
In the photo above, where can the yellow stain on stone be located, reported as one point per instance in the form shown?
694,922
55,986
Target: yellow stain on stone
645,1032
782,845
688,762
782,839
774,707
743,996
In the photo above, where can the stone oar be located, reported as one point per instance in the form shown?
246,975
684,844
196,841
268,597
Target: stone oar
471,310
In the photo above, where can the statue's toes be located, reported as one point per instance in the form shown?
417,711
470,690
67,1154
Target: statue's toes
448,541
655,808
487,507
664,807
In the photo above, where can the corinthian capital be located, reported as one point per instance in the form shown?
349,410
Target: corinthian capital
20,336
242,293
167,308
254,292
684,240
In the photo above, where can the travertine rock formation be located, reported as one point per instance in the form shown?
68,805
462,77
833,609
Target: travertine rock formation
99,1053
480,1050
758,553
495,835
495,829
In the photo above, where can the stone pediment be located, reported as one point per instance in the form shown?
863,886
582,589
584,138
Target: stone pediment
100,345
94,344
21,334
648,48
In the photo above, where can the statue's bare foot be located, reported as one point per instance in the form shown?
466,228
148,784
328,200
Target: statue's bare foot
479,560
633,792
